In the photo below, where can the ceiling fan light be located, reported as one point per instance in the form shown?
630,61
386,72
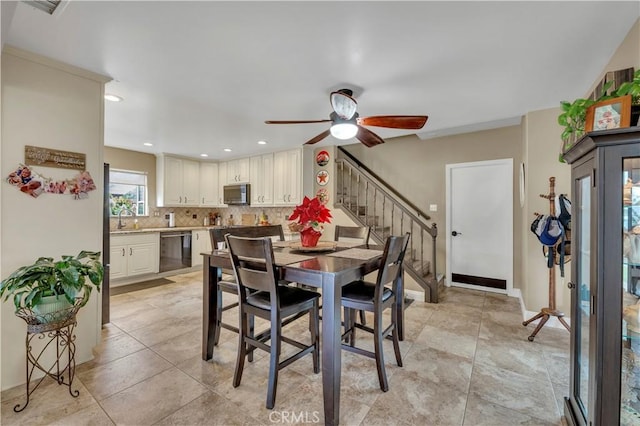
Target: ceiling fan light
344,130
344,105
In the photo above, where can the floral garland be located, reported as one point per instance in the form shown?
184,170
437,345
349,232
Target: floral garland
34,184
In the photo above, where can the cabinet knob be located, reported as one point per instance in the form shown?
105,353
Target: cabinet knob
123,251
571,285
130,251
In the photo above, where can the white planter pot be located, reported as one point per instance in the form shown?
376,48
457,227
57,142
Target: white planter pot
50,305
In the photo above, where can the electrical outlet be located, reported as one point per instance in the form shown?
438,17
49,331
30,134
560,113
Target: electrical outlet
156,213
286,217
433,207
195,216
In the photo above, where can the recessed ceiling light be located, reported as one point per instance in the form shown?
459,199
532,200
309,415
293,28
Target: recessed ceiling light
113,98
227,150
262,142
147,144
204,155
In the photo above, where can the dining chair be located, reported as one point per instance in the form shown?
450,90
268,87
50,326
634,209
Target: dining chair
377,297
261,295
226,280
360,233
353,232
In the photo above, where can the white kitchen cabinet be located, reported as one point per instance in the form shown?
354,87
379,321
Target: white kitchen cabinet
134,254
200,243
222,181
261,175
209,187
178,181
287,178
238,171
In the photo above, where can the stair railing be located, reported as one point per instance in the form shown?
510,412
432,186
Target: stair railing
370,201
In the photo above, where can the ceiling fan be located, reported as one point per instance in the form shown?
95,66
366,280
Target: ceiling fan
346,123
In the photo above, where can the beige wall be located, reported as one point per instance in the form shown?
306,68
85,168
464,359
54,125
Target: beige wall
541,147
417,169
48,104
124,159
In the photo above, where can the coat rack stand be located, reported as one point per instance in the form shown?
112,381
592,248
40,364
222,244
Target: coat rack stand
548,312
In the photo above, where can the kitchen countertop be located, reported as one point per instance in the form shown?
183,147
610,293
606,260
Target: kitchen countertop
177,228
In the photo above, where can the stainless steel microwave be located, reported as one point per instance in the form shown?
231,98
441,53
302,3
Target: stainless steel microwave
237,195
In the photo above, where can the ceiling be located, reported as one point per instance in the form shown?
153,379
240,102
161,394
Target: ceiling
198,77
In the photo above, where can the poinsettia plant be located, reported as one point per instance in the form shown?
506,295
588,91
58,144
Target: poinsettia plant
311,214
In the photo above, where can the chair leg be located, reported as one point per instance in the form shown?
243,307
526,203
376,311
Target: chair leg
377,341
276,330
251,333
395,335
216,339
314,325
242,350
352,326
363,318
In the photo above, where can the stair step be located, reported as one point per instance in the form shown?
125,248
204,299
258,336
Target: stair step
422,268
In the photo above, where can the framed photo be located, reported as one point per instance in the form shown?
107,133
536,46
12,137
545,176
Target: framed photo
610,114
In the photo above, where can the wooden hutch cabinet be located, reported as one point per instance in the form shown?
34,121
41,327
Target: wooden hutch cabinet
604,387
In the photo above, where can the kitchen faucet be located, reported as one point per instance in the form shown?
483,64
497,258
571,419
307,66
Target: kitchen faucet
120,224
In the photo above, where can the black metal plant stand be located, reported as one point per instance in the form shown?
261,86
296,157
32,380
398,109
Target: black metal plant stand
58,328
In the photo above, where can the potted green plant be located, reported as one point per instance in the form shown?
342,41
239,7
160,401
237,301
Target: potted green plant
60,283
631,88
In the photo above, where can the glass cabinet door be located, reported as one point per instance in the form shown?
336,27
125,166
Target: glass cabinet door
583,294
630,363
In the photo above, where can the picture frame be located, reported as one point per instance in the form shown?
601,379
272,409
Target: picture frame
610,114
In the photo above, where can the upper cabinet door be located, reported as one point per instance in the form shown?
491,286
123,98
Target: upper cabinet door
222,181
191,183
287,178
178,181
209,195
172,182
238,170
262,180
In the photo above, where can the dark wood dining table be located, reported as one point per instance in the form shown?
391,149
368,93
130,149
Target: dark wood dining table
322,270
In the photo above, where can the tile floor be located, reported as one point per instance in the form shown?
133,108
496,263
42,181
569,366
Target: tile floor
467,361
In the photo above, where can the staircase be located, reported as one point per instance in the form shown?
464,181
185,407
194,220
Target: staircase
369,201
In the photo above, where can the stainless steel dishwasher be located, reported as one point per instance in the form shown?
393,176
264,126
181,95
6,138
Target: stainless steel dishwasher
175,250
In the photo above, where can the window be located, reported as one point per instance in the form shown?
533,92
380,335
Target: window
128,190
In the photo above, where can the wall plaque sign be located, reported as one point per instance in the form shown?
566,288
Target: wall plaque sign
37,156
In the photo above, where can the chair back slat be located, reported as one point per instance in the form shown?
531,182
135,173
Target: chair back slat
355,232
391,262
273,231
253,264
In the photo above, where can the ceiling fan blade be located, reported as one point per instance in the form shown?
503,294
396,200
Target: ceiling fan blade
367,137
318,138
295,121
395,121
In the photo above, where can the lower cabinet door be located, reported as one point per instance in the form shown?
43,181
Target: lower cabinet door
118,262
143,258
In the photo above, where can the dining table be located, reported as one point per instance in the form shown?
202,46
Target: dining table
329,271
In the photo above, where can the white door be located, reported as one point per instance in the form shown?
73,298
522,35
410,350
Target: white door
479,227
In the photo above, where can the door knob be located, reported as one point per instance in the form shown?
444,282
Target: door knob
571,285
455,233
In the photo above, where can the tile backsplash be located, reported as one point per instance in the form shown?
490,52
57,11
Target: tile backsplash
185,216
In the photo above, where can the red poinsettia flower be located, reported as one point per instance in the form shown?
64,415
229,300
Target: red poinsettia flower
310,214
